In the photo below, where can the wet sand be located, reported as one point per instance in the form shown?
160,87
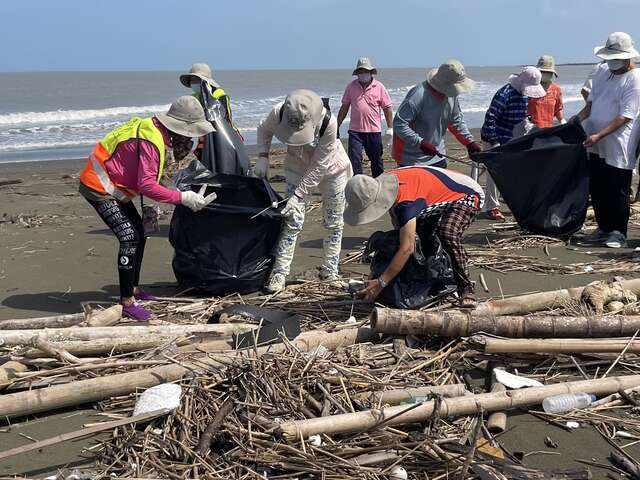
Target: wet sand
65,255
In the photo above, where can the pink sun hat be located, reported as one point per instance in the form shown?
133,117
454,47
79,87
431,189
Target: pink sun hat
527,82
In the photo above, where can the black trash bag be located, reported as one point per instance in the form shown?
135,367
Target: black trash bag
221,249
425,279
543,178
223,150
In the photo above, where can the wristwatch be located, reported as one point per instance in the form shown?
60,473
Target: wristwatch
382,283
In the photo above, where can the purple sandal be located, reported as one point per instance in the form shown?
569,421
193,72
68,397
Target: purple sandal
136,312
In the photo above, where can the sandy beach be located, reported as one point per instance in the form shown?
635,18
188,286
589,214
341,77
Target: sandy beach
56,253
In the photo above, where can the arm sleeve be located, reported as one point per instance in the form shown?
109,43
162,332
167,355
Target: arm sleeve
323,157
630,101
457,125
559,104
405,116
346,97
148,176
385,99
496,108
267,128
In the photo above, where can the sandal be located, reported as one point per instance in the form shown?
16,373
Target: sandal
468,300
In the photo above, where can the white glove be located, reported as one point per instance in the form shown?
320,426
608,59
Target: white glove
294,205
194,201
563,121
389,132
261,168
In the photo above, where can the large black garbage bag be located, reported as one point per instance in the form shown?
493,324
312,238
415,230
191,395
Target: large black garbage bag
543,178
221,249
223,150
426,278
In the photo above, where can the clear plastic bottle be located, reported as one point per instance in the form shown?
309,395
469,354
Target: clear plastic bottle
567,401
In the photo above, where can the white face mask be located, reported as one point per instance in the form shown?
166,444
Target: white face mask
195,87
364,77
616,64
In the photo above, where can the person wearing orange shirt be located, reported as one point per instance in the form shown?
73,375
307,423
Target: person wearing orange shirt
544,110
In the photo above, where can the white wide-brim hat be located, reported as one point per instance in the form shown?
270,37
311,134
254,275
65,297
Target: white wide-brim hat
201,71
450,79
369,198
619,46
186,117
303,112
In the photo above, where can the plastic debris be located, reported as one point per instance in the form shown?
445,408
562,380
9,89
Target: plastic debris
166,395
514,381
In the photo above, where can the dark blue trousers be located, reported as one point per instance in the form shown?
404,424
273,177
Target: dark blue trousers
372,145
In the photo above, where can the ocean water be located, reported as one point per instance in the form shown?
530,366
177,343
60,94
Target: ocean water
49,116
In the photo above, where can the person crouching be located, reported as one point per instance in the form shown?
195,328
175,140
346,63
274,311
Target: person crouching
411,195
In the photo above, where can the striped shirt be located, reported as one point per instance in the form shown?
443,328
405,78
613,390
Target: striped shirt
426,191
508,108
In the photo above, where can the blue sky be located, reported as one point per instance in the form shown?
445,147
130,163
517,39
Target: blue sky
43,35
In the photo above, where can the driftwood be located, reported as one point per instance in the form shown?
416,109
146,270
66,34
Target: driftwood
57,321
208,436
461,324
554,345
394,397
448,407
55,352
23,337
9,370
105,318
99,388
536,302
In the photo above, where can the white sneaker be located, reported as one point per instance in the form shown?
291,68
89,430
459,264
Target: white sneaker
616,240
276,283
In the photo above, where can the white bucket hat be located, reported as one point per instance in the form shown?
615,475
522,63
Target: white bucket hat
364,64
186,117
201,71
303,112
450,79
369,198
527,82
546,63
619,46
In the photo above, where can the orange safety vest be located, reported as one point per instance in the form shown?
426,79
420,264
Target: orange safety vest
95,175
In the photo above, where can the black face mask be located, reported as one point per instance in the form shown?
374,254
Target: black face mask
181,145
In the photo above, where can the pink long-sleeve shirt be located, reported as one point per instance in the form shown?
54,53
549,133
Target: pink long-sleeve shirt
141,175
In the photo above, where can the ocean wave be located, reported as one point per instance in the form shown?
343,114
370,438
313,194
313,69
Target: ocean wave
60,116
12,147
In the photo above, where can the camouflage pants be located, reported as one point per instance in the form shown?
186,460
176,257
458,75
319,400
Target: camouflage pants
333,204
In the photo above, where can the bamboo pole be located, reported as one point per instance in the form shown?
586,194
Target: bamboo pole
462,324
394,397
554,345
448,407
536,302
497,421
95,389
22,337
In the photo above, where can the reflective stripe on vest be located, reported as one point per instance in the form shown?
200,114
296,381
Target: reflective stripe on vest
95,175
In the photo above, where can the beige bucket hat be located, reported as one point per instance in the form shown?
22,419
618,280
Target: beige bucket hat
201,71
546,63
619,46
364,64
369,198
450,79
303,111
186,117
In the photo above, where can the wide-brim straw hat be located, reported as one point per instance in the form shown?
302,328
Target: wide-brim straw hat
364,64
619,46
201,71
527,82
546,63
186,117
303,112
450,79
369,198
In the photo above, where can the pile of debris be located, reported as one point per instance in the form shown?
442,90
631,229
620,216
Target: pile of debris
361,392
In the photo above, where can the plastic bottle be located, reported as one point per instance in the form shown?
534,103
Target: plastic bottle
567,401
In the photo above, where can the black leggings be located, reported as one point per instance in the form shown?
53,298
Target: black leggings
124,221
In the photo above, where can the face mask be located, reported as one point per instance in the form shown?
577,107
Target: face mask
364,77
195,87
181,146
616,64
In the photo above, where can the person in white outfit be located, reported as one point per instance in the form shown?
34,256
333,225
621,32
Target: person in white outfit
315,159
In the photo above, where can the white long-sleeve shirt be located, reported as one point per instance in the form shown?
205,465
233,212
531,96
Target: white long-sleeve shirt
323,163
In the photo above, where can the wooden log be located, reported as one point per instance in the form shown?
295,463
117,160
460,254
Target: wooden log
95,389
536,302
57,321
394,397
553,345
8,371
463,324
497,421
23,337
105,318
55,352
448,407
